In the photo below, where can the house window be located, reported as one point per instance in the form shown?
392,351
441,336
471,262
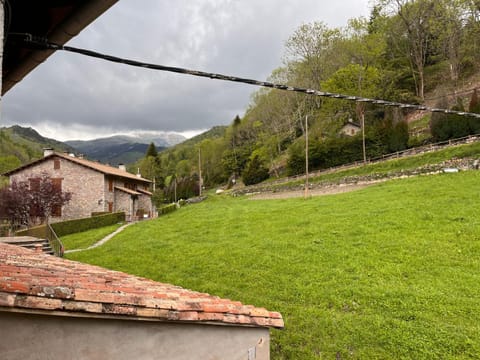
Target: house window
35,184
57,184
110,185
130,186
56,211
56,164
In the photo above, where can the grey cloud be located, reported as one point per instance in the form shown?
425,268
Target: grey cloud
243,38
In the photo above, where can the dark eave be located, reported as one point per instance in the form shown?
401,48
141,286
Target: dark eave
57,20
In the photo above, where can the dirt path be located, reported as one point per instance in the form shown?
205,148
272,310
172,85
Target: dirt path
102,241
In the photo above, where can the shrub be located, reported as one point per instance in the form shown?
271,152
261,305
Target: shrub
184,188
78,225
167,209
255,172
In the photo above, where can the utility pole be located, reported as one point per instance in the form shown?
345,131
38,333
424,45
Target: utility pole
306,156
199,172
362,118
175,187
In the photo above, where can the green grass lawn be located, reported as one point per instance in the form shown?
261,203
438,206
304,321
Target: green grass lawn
84,239
388,272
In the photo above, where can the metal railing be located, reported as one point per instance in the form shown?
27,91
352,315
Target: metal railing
55,242
45,231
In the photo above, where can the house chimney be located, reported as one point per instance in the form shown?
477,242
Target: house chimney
138,173
80,156
122,167
47,152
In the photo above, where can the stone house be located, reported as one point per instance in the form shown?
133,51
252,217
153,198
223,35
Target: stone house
350,128
94,187
53,308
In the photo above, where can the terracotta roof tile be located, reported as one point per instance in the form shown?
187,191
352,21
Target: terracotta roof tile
35,281
105,169
128,191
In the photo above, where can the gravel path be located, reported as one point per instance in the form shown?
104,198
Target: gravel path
103,241
331,190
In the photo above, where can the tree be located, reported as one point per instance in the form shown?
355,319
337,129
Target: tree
450,126
15,204
254,172
150,168
416,18
39,198
438,122
310,50
151,150
47,197
474,107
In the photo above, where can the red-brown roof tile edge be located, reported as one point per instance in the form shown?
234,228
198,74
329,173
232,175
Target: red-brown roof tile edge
45,304
34,281
106,169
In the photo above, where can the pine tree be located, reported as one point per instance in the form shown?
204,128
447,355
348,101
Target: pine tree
474,107
152,150
255,172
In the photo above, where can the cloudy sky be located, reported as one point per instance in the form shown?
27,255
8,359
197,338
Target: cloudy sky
75,97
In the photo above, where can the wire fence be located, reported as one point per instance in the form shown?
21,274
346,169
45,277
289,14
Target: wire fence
399,154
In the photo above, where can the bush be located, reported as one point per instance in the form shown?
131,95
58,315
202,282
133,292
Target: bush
451,126
296,159
78,225
255,172
167,209
184,188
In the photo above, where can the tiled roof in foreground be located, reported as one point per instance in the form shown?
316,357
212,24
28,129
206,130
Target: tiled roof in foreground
32,281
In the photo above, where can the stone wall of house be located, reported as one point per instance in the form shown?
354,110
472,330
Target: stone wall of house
92,191
123,202
85,185
145,204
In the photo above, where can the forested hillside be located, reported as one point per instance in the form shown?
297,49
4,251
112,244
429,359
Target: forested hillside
421,52
19,145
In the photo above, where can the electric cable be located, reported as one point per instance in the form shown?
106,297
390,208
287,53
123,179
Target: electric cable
42,43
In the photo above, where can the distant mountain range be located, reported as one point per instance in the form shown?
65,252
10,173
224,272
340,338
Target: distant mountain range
20,145
123,149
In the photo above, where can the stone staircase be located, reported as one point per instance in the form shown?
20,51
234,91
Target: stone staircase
29,242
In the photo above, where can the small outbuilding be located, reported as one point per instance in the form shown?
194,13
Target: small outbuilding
53,308
350,128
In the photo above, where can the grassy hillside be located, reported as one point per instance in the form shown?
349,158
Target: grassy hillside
387,272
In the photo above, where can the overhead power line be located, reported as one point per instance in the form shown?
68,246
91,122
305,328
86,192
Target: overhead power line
42,43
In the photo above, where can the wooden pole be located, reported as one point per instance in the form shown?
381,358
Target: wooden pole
199,172
306,156
362,117
175,187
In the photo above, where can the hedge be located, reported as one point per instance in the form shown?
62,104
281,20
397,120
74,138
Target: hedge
74,226
167,209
